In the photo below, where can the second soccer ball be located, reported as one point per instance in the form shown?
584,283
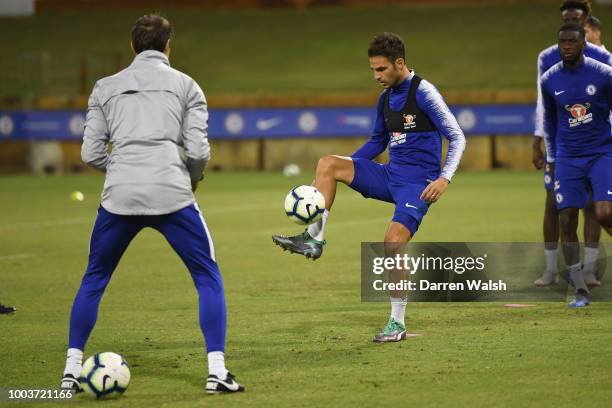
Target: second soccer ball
304,205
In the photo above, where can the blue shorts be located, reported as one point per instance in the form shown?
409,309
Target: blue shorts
576,177
548,180
402,188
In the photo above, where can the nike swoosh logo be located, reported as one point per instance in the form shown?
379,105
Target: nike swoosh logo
411,206
233,386
104,379
609,192
558,93
308,209
266,124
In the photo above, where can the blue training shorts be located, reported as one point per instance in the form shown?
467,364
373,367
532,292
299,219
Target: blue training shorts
404,189
575,177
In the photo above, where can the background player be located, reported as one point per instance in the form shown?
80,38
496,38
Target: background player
578,12
411,117
592,29
153,115
577,99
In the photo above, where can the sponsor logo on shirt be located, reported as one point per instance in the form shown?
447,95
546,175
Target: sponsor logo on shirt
579,114
409,121
397,138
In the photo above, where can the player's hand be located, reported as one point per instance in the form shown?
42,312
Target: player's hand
434,190
538,155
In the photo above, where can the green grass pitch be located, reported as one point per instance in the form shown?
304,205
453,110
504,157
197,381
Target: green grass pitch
298,334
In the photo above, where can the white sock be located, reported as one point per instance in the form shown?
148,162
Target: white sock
317,229
216,364
398,309
590,259
551,256
74,360
575,273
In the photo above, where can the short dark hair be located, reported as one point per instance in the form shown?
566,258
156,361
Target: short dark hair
151,32
387,45
593,22
583,5
573,27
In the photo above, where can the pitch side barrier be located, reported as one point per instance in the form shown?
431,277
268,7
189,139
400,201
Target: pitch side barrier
280,123
253,123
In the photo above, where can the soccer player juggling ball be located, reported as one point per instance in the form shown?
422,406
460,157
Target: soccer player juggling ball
577,99
156,119
411,118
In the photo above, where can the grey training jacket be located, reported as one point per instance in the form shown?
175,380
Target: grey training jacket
156,120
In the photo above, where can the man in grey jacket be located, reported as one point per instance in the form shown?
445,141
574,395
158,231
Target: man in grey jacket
156,120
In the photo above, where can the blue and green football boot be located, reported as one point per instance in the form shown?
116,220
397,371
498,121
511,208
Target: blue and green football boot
302,244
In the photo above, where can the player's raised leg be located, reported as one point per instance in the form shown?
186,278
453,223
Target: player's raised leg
396,238
110,237
330,170
187,233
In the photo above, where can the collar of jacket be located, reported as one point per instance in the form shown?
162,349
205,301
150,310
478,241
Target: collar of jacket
151,56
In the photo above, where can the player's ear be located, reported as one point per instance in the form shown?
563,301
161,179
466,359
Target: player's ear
167,48
132,47
400,63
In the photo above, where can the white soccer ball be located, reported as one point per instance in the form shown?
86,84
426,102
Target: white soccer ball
304,205
291,170
105,375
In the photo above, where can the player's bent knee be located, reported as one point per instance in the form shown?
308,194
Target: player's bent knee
326,165
340,168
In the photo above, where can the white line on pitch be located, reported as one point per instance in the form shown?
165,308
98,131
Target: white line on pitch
89,221
44,224
15,256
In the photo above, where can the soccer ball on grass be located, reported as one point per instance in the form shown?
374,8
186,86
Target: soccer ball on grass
105,375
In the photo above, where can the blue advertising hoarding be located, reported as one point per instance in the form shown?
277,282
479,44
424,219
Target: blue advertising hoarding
235,124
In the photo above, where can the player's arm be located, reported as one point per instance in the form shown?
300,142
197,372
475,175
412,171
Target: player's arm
96,135
378,141
538,158
195,133
549,123
431,102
